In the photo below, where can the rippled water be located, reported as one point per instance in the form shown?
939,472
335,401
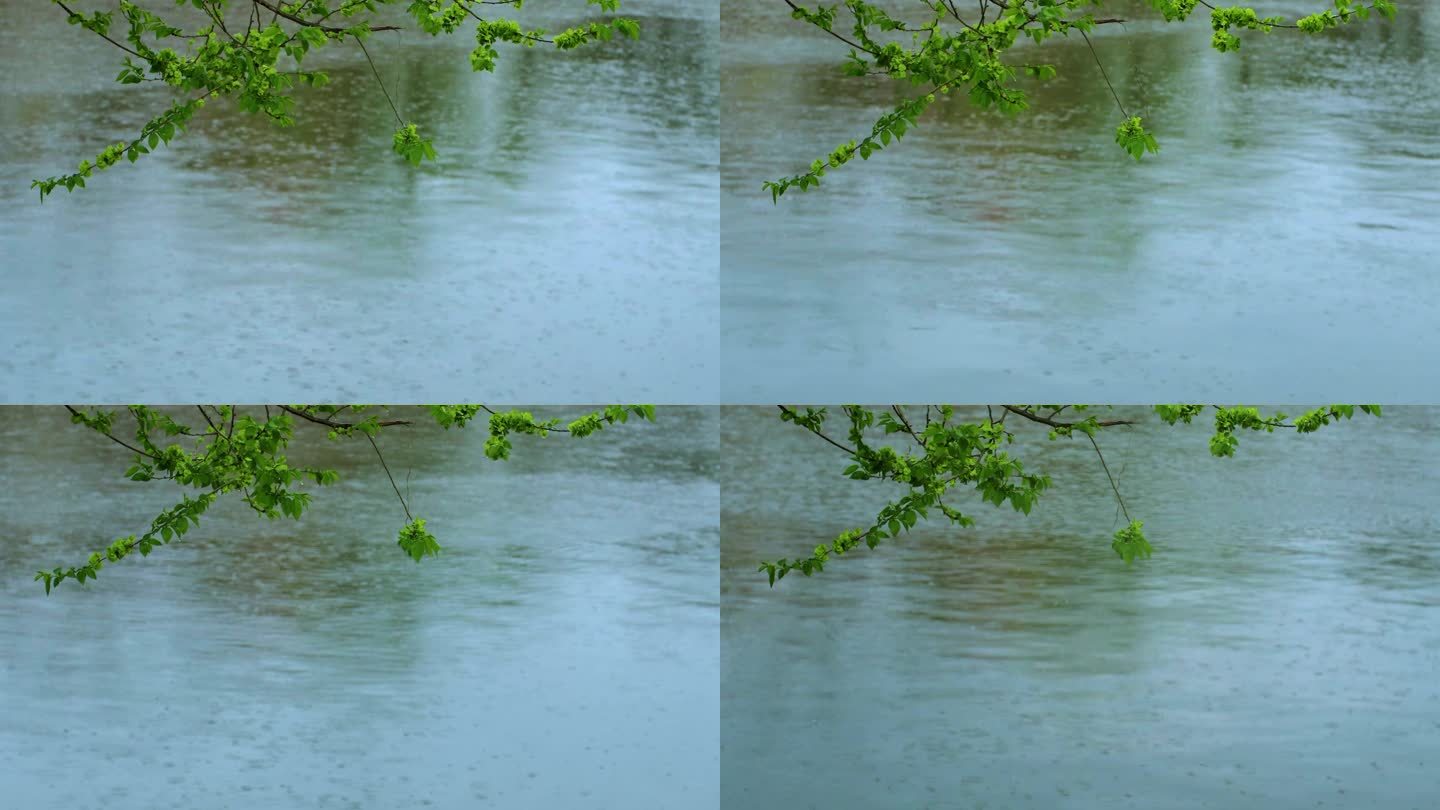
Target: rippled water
561,653
564,248
1280,650
1283,241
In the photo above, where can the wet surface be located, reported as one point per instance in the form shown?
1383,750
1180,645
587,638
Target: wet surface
560,653
1280,650
1280,243
564,247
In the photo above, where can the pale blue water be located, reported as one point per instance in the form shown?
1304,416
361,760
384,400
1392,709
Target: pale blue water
1280,650
1280,246
564,247
561,652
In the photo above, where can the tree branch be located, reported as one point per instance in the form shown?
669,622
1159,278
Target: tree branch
326,28
118,441
403,505
1113,487
821,434
1044,420
331,423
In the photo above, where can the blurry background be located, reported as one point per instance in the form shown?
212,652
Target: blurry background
564,248
560,653
1279,650
1281,242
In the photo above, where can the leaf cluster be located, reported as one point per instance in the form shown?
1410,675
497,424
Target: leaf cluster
940,453
260,65
944,48
240,453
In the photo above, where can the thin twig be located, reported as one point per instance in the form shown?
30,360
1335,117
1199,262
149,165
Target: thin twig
331,422
843,39
403,505
118,441
201,409
309,24
900,412
547,428
1035,417
1113,487
793,414
380,81
124,48
1273,25
1103,74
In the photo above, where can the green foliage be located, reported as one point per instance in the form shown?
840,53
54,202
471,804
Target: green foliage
503,425
417,542
490,32
1345,11
940,454
260,65
448,416
410,145
160,129
1174,10
1133,137
1230,420
890,127
945,46
1130,543
229,452
1224,19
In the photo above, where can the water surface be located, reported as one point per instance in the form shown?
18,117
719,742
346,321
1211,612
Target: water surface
1282,242
561,652
564,247
1281,649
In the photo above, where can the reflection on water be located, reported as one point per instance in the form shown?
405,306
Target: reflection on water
561,652
573,206
1279,651
1294,207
